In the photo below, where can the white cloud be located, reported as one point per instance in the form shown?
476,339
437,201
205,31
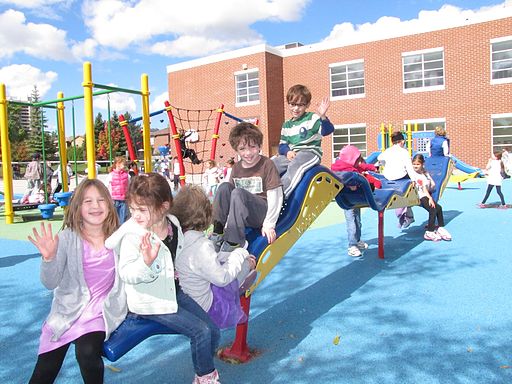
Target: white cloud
20,79
158,102
199,27
119,102
385,27
39,40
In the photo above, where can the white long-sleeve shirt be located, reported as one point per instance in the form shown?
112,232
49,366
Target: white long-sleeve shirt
397,163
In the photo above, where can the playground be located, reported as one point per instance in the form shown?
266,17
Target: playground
427,313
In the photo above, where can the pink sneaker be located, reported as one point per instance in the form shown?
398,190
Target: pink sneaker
444,234
431,236
211,378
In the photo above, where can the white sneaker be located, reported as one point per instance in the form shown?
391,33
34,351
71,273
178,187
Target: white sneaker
211,378
444,234
354,251
432,236
362,245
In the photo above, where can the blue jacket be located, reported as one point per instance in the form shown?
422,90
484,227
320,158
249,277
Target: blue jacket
436,145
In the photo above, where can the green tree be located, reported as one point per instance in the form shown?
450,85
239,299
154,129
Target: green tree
17,134
38,126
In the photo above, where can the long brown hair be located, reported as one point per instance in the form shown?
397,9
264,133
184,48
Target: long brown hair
73,216
151,189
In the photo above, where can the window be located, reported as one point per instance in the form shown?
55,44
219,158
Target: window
501,60
423,132
354,134
501,132
347,79
423,71
247,87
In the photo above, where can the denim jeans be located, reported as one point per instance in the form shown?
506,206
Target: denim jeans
192,321
353,219
121,210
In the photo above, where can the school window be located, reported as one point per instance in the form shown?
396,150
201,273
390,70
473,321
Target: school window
422,132
347,79
247,85
501,60
423,70
501,132
354,134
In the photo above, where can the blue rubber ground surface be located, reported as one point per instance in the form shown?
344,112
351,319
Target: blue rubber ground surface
428,313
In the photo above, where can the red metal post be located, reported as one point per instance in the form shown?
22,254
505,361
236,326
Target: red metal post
215,135
381,234
176,138
239,351
131,151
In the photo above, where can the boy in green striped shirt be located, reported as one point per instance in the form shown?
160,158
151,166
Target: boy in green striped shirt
301,137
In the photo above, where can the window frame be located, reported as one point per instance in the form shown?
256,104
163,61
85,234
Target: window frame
495,41
423,88
246,72
335,152
424,141
496,117
348,95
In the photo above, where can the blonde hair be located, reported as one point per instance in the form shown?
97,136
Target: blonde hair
73,217
440,131
192,208
118,160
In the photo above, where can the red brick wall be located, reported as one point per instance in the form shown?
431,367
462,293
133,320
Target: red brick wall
467,102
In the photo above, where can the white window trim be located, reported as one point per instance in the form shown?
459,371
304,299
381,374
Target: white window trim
356,96
497,81
353,125
496,116
424,89
248,103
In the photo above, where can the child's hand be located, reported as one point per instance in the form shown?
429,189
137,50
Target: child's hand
149,252
269,233
252,262
431,202
45,242
322,107
291,155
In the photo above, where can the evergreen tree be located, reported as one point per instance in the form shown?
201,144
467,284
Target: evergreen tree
17,134
37,123
99,124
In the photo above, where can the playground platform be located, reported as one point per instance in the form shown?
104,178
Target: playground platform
427,313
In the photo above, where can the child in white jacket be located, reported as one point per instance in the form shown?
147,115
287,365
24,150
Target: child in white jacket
212,279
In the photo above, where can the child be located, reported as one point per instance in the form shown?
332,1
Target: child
187,152
35,197
33,174
213,283
176,173
494,170
350,160
117,182
58,173
397,165
226,172
88,298
300,145
252,198
149,242
440,144
425,185
211,178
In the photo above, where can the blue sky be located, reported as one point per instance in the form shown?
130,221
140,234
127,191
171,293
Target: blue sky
45,42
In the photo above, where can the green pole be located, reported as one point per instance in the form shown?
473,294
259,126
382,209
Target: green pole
74,142
44,158
108,130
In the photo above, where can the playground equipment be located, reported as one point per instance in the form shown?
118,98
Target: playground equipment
315,191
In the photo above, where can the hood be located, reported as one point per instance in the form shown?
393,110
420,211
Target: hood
349,154
128,227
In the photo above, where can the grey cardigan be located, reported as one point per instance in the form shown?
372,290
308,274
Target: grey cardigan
65,275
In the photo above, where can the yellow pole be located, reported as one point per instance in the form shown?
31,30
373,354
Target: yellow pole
383,137
62,142
6,157
146,137
89,125
409,138
390,132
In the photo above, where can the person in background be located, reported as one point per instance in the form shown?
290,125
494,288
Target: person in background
33,175
58,173
117,182
494,172
226,172
440,144
176,173
211,178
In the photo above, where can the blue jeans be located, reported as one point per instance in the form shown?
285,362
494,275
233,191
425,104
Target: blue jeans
120,206
353,219
192,321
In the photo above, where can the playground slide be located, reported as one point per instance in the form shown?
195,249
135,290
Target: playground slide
459,164
372,157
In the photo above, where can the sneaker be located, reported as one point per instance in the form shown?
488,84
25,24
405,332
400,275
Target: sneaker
444,234
248,281
401,220
354,251
481,205
217,240
502,206
362,245
211,378
432,236
407,222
